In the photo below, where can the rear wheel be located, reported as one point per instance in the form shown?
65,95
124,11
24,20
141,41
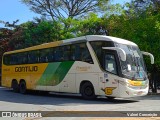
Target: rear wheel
87,91
22,87
15,86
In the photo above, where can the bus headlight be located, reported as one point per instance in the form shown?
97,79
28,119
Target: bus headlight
138,83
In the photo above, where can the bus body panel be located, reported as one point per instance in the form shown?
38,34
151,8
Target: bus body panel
140,88
67,76
111,86
88,77
68,84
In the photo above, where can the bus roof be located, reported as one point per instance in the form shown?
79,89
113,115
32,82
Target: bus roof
99,38
75,40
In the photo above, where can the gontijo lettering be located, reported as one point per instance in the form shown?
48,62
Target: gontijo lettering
26,69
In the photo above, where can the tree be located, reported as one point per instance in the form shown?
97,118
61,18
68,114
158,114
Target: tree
141,26
7,24
57,9
44,32
139,8
91,25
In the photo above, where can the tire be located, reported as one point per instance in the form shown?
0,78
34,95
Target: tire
15,86
22,87
87,91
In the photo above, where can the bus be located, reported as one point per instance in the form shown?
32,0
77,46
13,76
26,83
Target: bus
92,65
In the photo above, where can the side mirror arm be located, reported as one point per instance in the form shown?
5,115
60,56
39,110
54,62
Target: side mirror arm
120,50
150,55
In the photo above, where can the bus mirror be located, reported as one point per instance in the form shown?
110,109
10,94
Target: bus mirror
121,52
149,54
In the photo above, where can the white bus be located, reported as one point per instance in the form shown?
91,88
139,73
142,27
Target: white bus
92,65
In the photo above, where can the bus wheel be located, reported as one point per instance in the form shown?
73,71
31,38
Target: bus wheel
15,86
87,91
22,87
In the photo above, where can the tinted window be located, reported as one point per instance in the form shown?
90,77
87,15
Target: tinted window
66,53
6,59
33,56
58,52
46,55
76,52
84,53
110,63
97,47
73,54
80,52
14,59
22,58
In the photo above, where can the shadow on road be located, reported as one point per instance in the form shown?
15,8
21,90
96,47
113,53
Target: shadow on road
7,95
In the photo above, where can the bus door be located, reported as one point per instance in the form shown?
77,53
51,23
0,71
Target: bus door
111,72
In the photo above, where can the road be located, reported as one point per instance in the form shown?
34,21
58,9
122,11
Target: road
10,101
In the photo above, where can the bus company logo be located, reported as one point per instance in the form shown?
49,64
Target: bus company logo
83,68
109,90
6,114
26,69
6,70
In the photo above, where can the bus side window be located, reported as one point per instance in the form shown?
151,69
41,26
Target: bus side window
42,56
85,54
80,52
22,58
66,53
53,54
14,59
58,51
110,63
97,46
72,52
75,52
6,59
50,55
46,55
33,56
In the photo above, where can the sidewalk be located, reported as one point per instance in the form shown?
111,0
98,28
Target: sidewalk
151,93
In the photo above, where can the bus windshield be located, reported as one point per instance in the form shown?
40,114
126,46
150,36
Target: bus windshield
133,67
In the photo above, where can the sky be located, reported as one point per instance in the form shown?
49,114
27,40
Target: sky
11,10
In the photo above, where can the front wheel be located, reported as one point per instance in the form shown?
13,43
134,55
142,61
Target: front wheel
22,87
87,91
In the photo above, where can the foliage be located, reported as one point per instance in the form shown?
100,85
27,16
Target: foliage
138,21
57,9
9,40
91,25
142,29
35,34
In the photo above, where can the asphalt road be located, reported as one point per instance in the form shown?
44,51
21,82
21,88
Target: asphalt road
33,101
